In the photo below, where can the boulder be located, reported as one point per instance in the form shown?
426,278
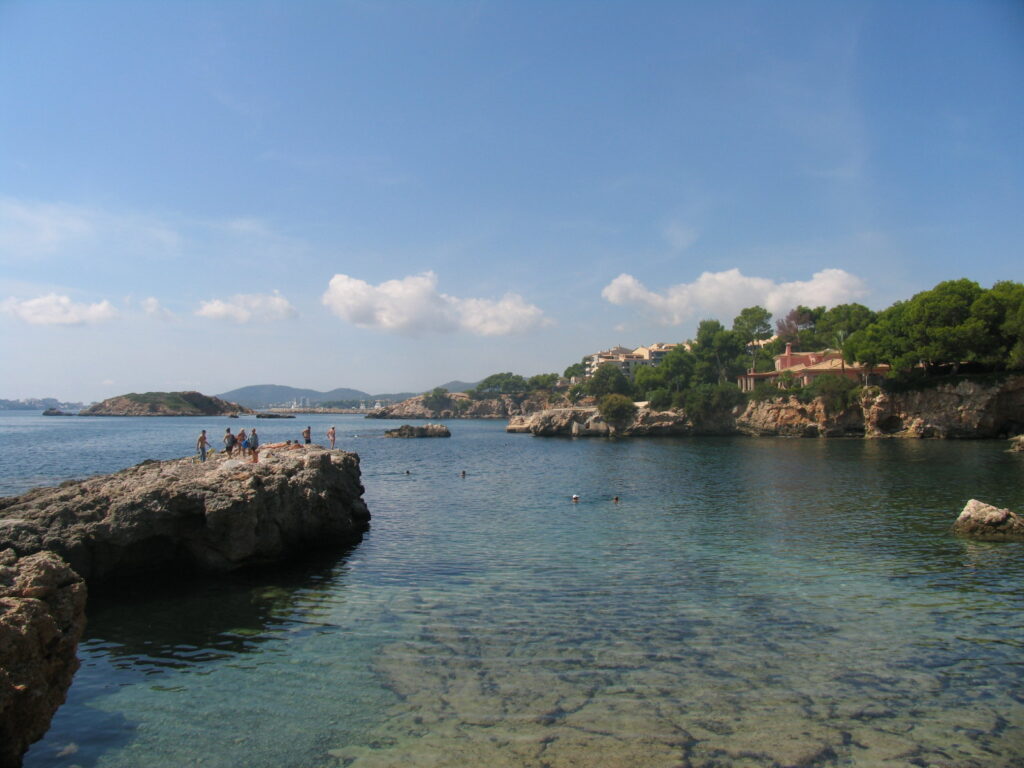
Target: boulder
183,515
987,523
1017,444
42,616
427,430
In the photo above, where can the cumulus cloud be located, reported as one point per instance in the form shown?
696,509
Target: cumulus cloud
413,305
54,309
152,307
724,294
247,307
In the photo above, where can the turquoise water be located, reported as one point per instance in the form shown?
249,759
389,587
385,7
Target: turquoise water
747,603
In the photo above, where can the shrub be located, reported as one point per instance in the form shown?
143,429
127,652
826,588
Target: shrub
617,410
659,399
838,392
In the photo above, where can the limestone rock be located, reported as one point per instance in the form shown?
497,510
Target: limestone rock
181,515
966,409
42,616
987,523
462,406
788,417
1017,444
427,430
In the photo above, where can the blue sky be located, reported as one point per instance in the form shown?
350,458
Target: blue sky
389,195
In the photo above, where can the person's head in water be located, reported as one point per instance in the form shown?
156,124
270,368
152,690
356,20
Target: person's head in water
575,498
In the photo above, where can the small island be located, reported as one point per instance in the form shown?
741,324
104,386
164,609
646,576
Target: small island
165,404
426,430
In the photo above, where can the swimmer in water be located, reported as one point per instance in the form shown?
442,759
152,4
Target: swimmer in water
615,500
575,499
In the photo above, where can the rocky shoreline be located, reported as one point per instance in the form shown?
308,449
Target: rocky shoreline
965,410
165,519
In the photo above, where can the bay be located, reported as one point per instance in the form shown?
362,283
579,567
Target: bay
748,602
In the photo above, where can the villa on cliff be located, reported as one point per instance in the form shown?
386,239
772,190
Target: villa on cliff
628,360
805,367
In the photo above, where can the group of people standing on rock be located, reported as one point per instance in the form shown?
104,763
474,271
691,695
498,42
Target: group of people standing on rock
245,445
249,445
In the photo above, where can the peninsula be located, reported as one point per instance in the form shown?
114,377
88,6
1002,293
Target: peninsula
164,404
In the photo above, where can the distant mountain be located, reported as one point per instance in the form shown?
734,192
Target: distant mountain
459,386
265,395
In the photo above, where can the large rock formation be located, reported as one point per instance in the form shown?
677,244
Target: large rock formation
965,409
42,615
459,405
788,417
187,516
987,523
426,430
164,404
583,421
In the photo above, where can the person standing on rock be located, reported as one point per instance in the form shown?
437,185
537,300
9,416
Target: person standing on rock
307,435
331,435
202,445
254,445
229,442
243,442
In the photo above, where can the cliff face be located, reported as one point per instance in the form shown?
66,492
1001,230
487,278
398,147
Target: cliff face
461,406
178,515
964,410
42,616
164,404
790,418
587,422
967,409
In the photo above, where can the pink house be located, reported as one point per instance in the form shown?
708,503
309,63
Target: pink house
806,366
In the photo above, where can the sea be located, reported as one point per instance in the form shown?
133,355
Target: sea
745,602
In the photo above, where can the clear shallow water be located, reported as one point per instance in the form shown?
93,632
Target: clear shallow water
749,602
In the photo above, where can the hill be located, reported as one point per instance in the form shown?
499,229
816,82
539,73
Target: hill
164,404
265,395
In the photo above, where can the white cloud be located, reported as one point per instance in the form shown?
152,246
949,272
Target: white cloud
413,305
53,309
152,307
724,294
246,307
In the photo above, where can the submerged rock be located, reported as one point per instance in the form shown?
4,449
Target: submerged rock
987,523
182,515
427,430
42,616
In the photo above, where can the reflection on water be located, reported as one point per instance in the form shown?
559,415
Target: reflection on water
748,603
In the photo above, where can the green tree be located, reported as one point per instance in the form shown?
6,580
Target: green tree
607,380
798,327
500,384
648,378
753,324
659,399
720,354
542,381
437,399
837,392
842,321
617,410
576,370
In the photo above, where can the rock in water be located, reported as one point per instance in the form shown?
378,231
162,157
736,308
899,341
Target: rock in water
987,523
427,430
42,616
179,516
